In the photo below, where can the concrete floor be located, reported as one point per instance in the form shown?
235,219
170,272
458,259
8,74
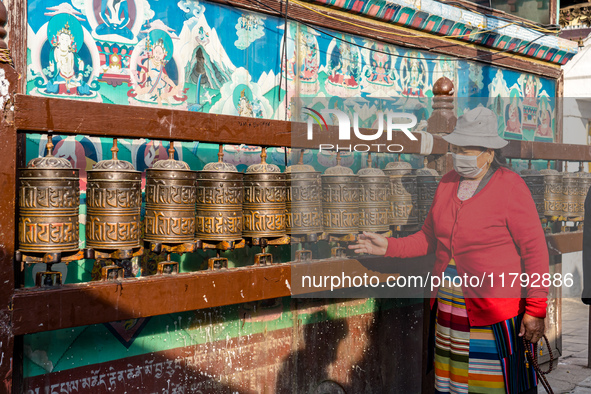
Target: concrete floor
572,374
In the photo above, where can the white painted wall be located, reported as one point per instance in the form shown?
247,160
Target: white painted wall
577,118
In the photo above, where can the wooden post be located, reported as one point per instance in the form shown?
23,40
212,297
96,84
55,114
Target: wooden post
443,119
8,148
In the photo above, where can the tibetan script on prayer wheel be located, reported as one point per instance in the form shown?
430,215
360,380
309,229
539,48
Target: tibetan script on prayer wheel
264,201
170,202
49,199
113,203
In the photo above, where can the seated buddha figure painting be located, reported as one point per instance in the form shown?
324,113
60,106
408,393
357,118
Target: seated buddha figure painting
64,60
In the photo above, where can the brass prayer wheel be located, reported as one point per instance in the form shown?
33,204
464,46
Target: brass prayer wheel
49,199
570,194
427,181
374,203
340,200
113,203
170,201
264,200
220,194
552,192
535,182
584,184
403,194
303,200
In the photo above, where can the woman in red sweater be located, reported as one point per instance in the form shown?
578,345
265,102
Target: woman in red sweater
483,224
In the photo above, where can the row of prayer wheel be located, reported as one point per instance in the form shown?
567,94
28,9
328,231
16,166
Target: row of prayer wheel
215,204
558,194
373,200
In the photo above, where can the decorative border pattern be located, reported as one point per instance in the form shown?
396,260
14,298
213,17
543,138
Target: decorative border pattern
434,17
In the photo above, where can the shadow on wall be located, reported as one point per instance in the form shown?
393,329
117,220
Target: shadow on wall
295,346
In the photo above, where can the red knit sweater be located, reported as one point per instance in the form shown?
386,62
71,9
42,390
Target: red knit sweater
498,232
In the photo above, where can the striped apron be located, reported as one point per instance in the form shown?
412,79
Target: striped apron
477,359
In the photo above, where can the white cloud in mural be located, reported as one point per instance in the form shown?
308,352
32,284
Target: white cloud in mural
63,8
39,357
249,28
158,24
148,11
193,9
79,5
242,97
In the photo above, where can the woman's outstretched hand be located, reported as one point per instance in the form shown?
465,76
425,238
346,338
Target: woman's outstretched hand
370,243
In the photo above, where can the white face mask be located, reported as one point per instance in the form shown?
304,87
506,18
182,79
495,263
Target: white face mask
467,166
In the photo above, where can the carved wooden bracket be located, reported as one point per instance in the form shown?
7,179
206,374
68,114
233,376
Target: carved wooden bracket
579,14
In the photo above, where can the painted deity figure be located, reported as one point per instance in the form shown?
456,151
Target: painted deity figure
244,106
414,75
153,80
309,47
514,117
341,73
380,64
115,16
66,70
202,36
544,127
530,91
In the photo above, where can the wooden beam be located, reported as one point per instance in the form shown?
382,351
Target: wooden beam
72,305
561,243
41,114
81,304
434,44
547,151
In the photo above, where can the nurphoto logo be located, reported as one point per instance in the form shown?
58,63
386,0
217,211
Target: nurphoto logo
393,121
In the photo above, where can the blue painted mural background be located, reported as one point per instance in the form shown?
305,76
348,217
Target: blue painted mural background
200,56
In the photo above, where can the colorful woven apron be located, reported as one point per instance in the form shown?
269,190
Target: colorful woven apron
478,359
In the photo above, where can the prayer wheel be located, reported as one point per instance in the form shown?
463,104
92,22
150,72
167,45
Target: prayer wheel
570,194
304,200
113,203
220,194
584,184
403,194
552,192
170,201
427,181
49,199
535,182
264,200
340,200
374,203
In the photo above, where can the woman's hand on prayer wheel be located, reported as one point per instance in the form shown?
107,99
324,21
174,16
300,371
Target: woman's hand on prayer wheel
370,243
